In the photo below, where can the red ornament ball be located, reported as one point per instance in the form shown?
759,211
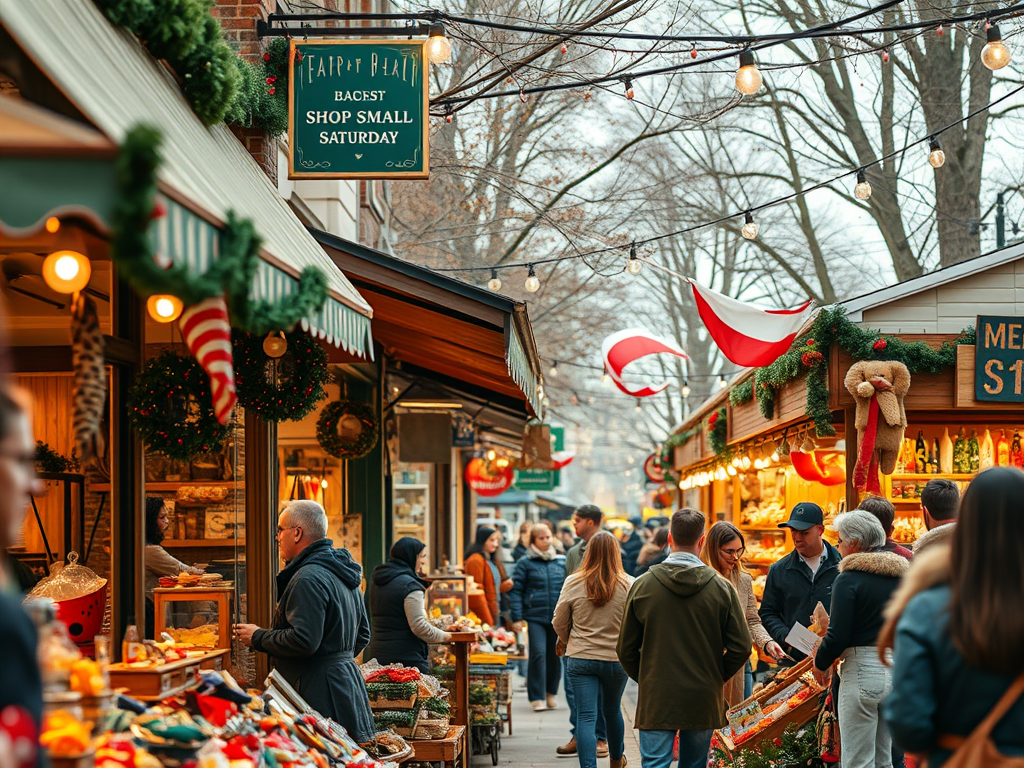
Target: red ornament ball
880,345
810,342
810,358
713,419
271,80
272,91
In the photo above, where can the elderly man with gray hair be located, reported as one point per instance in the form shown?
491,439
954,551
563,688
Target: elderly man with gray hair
868,575
320,624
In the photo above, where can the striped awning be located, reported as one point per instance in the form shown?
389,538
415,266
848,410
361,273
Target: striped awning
183,237
115,83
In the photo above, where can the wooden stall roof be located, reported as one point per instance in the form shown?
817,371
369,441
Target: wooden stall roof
437,323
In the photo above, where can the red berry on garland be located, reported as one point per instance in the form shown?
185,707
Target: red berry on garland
810,342
159,210
777,741
712,419
272,91
810,358
266,57
271,80
880,345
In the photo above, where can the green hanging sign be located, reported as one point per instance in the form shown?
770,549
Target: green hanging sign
542,479
358,110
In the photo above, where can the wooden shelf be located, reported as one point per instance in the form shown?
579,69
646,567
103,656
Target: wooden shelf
202,542
105,487
931,477
774,527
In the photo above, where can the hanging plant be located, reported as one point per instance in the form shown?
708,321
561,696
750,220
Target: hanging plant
347,429
286,388
169,406
48,460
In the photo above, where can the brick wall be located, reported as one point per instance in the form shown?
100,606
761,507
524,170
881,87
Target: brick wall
238,20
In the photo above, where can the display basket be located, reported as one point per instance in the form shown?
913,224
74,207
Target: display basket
793,698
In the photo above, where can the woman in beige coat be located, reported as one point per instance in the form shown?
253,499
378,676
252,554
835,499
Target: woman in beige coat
723,548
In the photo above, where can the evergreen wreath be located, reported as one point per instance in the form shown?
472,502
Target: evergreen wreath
169,405
231,275
283,389
342,448
718,434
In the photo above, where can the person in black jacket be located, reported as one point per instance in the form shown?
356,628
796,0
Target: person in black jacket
632,544
800,580
21,685
320,624
868,577
396,596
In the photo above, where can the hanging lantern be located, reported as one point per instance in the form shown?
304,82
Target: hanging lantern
163,307
275,345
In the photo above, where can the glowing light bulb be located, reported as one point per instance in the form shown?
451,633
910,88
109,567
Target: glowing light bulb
634,265
748,79
731,470
554,368
721,382
323,484
995,55
746,462
439,49
66,271
52,225
935,154
736,462
720,474
685,390
775,456
629,89
863,189
494,284
492,455
164,308
749,230
532,281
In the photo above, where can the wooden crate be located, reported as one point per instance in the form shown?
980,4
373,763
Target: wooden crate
803,713
163,680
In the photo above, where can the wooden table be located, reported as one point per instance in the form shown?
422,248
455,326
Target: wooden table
220,594
447,750
461,642
162,680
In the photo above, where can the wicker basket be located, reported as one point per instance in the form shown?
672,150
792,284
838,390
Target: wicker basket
382,703
432,729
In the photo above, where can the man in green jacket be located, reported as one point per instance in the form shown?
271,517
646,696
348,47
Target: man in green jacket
682,637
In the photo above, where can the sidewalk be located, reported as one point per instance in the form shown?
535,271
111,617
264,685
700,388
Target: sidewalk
536,734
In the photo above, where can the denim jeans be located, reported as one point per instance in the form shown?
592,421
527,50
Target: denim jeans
545,670
748,680
656,748
570,698
864,684
598,685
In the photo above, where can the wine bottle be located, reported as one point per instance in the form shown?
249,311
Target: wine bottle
1016,452
946,453
933,459
961,461
987,458
1002,450
920,454
973,453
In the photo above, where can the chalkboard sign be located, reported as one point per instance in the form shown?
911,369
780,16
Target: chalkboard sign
358,110
999,359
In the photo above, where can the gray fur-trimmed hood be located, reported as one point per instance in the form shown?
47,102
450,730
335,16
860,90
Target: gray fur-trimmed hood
879,563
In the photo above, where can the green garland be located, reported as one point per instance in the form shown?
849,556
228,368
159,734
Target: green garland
742,393
231,275
283,389
797,747
718,433
169,406
391,691
810,354
400,718
327,429
437,706
218,84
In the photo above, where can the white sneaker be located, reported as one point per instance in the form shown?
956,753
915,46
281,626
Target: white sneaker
538,706
552,702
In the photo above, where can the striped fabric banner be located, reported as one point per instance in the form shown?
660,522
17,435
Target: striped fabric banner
519,366
183,236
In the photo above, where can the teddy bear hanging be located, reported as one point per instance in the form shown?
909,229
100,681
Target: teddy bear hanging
878,387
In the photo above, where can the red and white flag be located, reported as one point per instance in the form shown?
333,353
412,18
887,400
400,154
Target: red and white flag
749,336
622,348
207,333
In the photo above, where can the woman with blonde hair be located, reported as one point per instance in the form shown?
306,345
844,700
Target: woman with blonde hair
587,620
723,550
536,584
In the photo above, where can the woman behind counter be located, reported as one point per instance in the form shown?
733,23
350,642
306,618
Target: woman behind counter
159,561
397,603
488,573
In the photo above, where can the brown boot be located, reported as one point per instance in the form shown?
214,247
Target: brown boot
617,763
602,749
569,749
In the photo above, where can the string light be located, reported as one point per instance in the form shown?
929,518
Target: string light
748,78
629,88
439,49
995,55
494,284
492,455
605,378
634,265
935,154
164,308
532,282
731,470
554,368
685,391
863,189
693,51
65,270
721,382
749,230
638,408
885,55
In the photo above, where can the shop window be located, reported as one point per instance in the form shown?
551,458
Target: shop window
412,491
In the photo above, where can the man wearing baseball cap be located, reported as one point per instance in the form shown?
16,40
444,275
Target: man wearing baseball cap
800,580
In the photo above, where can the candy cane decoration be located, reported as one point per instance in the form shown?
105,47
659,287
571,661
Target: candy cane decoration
207,334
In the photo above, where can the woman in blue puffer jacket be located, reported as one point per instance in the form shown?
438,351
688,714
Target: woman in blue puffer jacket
537,583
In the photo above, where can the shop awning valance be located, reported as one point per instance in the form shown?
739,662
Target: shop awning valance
112,80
